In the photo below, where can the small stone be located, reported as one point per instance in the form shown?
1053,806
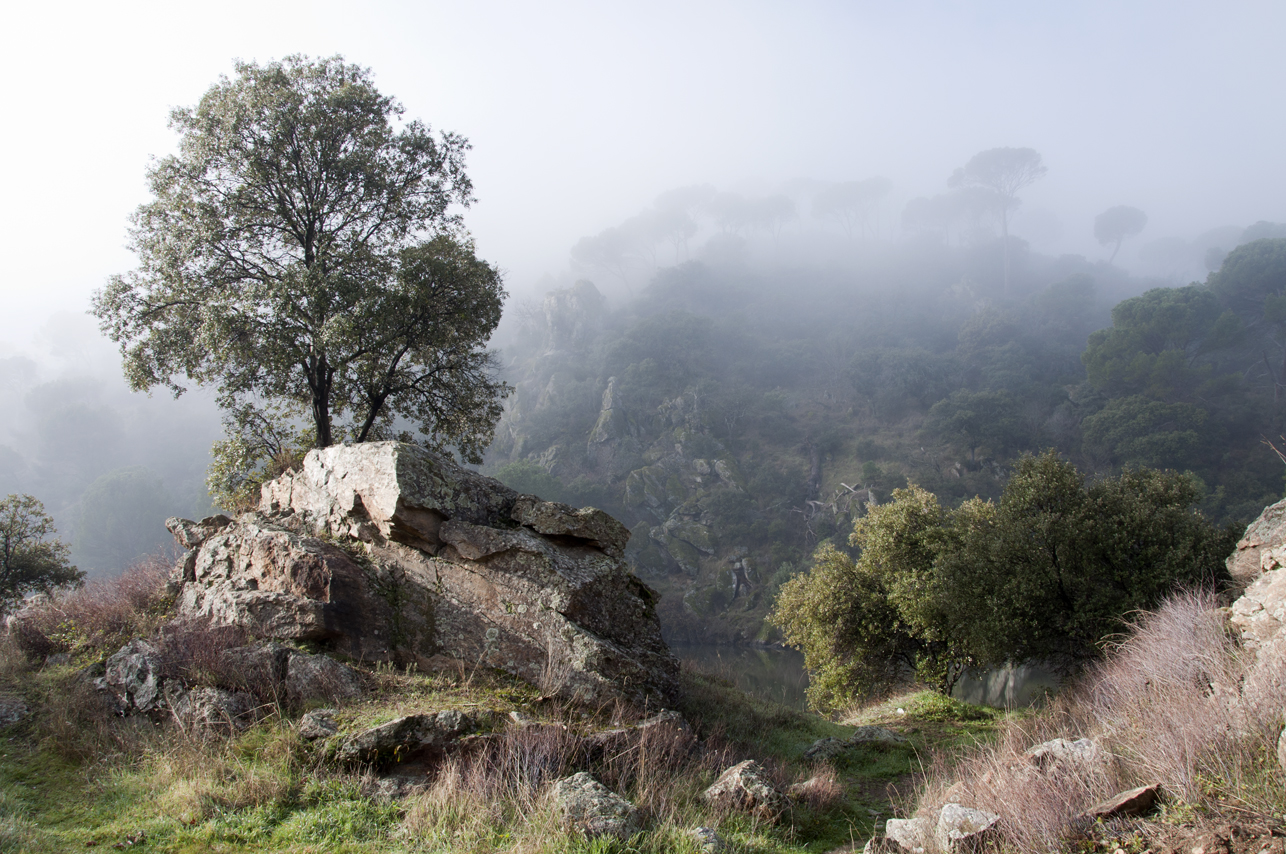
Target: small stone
591,808
211,710
319,723
1083,752
1134,802
665,718
707,840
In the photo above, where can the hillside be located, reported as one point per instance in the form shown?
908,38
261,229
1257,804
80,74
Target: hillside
734,417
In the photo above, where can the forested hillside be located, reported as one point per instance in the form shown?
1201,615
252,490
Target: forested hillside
736,415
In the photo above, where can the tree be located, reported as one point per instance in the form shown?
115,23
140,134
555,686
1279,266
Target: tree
1252,283
1044,574
30,559
1002,172
977,419
1052,569
301,256
1115,224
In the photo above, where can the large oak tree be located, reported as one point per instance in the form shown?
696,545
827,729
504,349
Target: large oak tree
301,255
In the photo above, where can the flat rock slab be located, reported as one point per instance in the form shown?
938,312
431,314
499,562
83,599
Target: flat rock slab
405,737
959,826
876,735
591,808
826,748
1134,802
746,787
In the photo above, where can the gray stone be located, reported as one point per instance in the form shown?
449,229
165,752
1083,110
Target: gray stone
212,710
707,840
961,827
12,710
914,835
404,737
319,723
1281,750
746,787
1065,754
191,534
590,807
665,718
876,735
826,749
435,561
1260,612
320,677
133,676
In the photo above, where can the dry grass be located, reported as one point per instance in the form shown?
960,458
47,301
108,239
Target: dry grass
97,619
1177,702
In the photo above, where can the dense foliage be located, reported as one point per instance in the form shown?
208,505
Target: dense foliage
300,256
31,558
1044,574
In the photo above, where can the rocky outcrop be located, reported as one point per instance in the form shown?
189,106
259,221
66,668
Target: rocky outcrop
1267,532
389,552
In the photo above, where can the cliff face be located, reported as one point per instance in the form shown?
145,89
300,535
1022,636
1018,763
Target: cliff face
388,552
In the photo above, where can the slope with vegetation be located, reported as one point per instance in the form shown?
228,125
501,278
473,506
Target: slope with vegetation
736,417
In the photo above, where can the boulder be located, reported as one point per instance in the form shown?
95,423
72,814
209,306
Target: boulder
591,808
875,735
405,737
133,676
319,723
387,551
746,787
1268,531
914,835
212,710
319,677
961,827
826,749
1259,613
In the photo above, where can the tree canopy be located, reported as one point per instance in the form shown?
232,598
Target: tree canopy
300,254
1002,172
1043,574
31,560
1113,225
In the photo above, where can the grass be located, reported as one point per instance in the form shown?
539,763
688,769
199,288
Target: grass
90,779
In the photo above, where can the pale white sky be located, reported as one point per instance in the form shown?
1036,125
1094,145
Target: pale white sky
581,112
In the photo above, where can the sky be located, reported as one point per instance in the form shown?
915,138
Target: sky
581,113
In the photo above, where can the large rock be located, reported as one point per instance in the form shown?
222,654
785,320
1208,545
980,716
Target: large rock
133,676
212,710
389,552
961,827
405,737
746,787
591,808
1268,531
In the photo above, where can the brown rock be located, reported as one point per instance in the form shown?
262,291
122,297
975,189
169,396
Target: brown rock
1133,802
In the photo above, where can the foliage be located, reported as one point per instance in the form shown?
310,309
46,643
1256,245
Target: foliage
30,559
284,260
1044,574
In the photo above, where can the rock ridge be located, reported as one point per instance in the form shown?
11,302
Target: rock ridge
387,551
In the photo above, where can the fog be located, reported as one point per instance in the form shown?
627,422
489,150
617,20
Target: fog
583,115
